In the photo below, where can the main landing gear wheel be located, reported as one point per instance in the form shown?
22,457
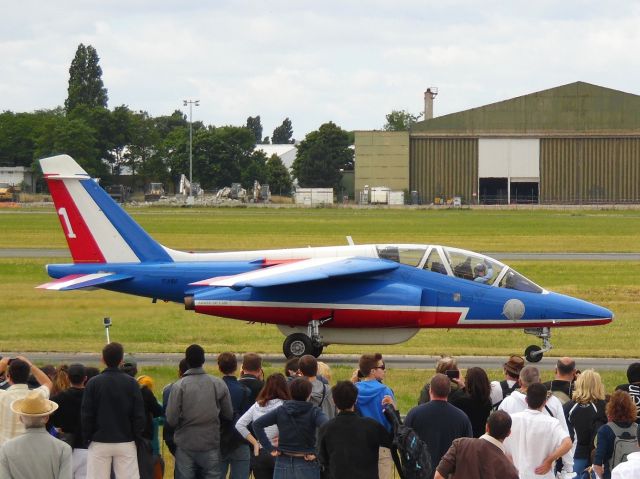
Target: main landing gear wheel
534,353
297,344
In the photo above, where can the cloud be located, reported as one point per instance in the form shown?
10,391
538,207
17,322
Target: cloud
345,61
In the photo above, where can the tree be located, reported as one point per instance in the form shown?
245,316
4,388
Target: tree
278,176
321,157
400,120
253,123
85,80
283,133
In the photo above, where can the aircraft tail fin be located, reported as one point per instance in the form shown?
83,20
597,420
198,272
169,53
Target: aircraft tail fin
97,229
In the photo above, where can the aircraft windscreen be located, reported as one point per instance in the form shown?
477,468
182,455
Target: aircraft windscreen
409,256
514,280
474,267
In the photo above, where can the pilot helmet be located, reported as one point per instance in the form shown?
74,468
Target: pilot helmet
480,268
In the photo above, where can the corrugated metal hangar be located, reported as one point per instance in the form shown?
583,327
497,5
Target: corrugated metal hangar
573,144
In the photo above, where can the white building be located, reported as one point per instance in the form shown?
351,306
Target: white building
17,176
286,152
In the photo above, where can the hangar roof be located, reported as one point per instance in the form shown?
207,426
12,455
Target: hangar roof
575,109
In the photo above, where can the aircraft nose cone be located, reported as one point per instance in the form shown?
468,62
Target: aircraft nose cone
569,308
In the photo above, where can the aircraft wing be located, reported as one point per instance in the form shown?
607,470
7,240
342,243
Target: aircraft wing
314,269
79,281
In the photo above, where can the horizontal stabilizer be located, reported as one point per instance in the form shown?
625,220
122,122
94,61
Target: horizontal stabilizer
79,281
315,269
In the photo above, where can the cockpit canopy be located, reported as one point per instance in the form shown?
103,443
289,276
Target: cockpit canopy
460,263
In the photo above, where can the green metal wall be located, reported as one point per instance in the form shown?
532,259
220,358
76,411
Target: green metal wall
444,167
589,170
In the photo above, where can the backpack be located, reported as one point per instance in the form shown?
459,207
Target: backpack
506,391
561,395
624,444
410,453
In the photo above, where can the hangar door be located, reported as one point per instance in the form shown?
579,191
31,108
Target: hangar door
508,170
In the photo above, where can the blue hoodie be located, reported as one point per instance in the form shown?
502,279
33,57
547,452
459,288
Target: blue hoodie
297,422
369,403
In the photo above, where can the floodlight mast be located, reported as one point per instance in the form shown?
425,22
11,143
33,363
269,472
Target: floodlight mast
191,103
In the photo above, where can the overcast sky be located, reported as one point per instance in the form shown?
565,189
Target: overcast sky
350,62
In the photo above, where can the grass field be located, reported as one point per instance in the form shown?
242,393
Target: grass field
72,321
257,228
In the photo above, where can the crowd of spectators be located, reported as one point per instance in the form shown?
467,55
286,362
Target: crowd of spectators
76,421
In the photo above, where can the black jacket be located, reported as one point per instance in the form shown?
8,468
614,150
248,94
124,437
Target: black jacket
349,445
67,416
583,421
112,408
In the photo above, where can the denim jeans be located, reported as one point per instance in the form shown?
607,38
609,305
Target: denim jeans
238,460
580,465
200,464
295,468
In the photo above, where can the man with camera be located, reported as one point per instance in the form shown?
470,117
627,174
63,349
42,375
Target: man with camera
437,422
18,371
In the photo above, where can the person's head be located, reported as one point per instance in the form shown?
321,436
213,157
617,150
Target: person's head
183,367
129,366
252,363
308,366
499,425
536,396
291,367
621,408
18,372
513,366
344,395
275,387
478,385
90,371
300,389
446,363
372,366
566,369
112,354
34,409
194,355
324,370
588,387
227,363
528,376
480,270
50,370
439,387
633,373
77,374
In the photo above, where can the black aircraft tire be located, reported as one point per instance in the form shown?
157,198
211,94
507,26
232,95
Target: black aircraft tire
533,358
296,345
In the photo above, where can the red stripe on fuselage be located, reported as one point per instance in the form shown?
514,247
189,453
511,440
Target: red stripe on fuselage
82,244
372,318
342,318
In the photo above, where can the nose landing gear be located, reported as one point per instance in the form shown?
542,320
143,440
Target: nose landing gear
299,344
534,353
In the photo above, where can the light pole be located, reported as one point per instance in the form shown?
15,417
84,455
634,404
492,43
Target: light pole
191,103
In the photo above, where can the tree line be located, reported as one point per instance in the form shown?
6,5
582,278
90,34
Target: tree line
105,141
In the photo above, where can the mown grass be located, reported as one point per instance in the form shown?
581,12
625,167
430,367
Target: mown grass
38,320
257,228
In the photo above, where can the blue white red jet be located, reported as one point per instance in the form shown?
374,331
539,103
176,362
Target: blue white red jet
352,294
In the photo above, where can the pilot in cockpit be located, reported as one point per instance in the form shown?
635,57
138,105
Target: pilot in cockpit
482,273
